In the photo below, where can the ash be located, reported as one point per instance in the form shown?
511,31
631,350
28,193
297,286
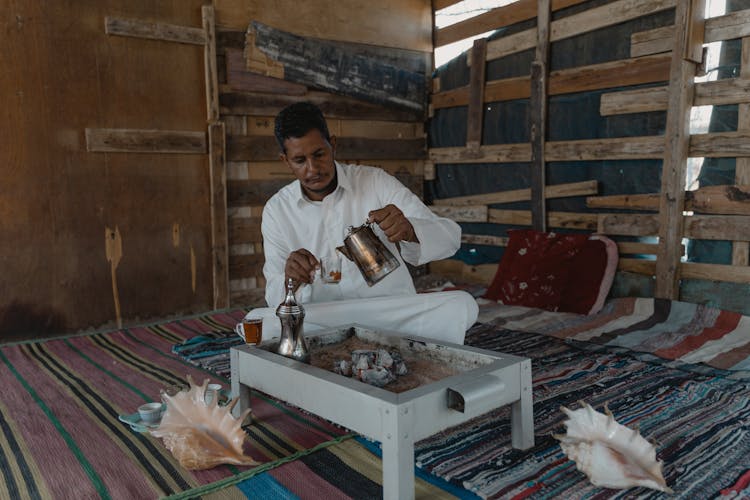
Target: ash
375,364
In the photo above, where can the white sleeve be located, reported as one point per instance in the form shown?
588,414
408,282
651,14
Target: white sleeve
439,238
276,252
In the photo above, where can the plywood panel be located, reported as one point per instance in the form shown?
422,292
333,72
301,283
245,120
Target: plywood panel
405,24
58,202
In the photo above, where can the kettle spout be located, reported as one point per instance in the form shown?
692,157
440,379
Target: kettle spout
345,252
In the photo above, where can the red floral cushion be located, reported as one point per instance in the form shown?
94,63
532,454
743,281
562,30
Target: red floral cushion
556,272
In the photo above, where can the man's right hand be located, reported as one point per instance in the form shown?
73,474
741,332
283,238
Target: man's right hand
301,266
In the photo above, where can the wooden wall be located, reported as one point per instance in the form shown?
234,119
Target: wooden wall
253,89
113,187
668,57
87,239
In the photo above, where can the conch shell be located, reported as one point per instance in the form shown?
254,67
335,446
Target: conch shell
200,435
610,454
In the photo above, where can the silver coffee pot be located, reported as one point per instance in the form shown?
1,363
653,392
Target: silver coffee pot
372,257
292,316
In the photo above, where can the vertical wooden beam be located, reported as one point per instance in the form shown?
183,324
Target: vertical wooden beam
219,232
476,95
209,62
538,130
742,167
677,136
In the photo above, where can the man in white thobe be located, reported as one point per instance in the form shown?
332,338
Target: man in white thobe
306,220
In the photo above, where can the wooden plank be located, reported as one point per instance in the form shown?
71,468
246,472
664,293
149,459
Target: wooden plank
720,144
649,201
633,101
336,68
625,72
459,272
252,192
628,224
154,31
672,200
246,266
554,191
245,230
219,231
121,140
639,266
578,24
538,112
496,18
632,247
728,27
729,91
620,148
718,227
725,200
741,249
442,4
374,129
484,239
261,148
475,115
209,64
255,103
716,29
429,171
653,41
240,79
464,213
715,272
563,220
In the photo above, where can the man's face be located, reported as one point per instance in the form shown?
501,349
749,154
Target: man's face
310,158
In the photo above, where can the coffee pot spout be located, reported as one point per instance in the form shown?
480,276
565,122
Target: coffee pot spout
345,252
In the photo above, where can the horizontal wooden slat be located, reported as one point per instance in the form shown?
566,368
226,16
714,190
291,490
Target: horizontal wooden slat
715,272
246,266
719,200
716,29
561,220
553,191
263,148
628,224
121,140
240,79
496,18
649,201
729,91
638,266
442,4
252,192
642,70
460,272
577,24
499,153
633,247
255,103
154,31
244,230
466,213
484,239
720,145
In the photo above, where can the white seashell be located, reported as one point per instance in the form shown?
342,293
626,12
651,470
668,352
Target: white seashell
610,454
200,435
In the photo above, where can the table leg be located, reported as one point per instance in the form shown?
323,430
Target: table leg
398,453
522,412
239,390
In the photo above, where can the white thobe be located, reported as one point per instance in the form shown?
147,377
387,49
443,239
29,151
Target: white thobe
291,221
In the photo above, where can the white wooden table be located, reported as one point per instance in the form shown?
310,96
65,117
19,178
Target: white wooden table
487,380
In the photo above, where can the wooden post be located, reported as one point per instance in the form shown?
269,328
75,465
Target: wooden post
476,95
538,130
209,62
677,136
219,232
742,167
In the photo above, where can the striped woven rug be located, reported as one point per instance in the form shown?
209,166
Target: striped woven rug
60,436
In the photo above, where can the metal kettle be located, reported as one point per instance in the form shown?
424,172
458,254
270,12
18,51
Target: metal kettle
372,257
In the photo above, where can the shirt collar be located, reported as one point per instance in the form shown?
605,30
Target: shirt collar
343,183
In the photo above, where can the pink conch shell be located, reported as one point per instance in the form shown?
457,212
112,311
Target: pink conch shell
610,454
200,435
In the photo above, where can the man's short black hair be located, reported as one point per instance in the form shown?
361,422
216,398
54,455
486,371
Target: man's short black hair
298,119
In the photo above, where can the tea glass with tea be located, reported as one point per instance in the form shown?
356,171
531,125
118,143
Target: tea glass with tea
330,268
250,329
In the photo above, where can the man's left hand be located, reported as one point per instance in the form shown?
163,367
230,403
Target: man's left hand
394,224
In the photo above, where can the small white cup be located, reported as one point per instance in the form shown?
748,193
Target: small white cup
150,413
212,392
